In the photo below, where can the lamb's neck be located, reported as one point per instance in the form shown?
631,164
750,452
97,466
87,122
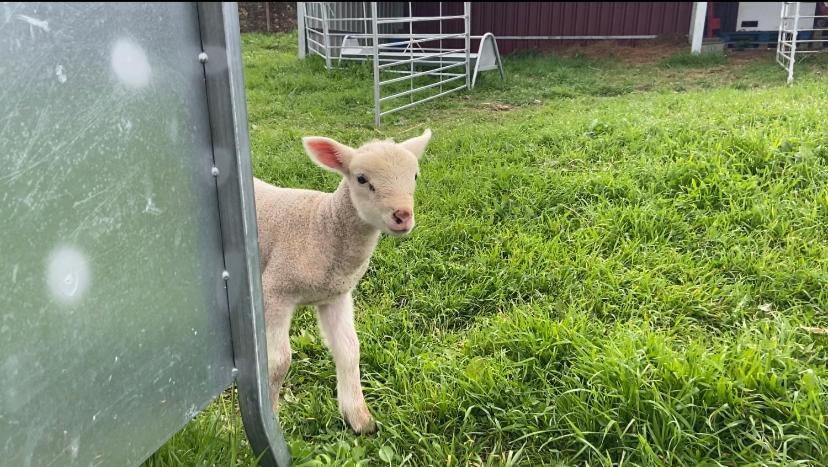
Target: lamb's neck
352,238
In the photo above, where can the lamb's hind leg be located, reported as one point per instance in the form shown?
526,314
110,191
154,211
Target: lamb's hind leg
277,325
336,321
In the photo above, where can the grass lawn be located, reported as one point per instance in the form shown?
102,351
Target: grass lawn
617,261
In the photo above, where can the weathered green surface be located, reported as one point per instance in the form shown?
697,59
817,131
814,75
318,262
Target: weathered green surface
113,320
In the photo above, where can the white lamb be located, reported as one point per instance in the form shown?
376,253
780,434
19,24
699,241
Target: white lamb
316,246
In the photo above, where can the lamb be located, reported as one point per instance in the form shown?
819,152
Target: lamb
315,247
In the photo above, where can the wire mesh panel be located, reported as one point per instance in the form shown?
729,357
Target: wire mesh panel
803,29
115,316
410,66
414,68
329,24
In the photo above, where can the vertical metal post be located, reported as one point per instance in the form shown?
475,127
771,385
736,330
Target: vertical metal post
440,23
300,25
697,27
375,33
267,15
366,23
326,36
467,21
227,113
780,37
794,37
411,50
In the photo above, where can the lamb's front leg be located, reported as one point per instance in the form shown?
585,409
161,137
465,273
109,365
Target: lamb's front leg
277,325
336,320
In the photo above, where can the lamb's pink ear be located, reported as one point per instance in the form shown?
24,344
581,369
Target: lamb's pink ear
417,144
328,154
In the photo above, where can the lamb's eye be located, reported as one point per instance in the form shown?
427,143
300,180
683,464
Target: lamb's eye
415,176
362,180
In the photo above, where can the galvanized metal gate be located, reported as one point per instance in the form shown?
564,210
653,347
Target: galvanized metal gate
128,243
409,68
800,33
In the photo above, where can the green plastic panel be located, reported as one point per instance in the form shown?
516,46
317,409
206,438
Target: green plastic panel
114,325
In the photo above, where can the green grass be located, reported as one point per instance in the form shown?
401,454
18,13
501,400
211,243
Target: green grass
688,60
626,267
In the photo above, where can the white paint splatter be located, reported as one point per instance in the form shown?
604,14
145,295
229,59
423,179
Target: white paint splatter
172,129
151,208
124,125
67,274
38,23
74,447
191,412
61,74
129,62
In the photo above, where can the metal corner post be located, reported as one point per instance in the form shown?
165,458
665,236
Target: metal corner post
411,50
326,35
697,26
467,20
780,36
300,27
375,33
794,38
219,25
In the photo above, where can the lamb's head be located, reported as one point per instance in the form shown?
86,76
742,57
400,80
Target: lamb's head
381,177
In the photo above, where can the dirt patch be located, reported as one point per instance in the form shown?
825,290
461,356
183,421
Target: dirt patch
645,52
496,107
267,16
748,55
634,52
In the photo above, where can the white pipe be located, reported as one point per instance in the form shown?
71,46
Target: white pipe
429,98
568,38
420,58
440,32
300,24
792,63
781,30
425,38
418,19
697,26
422,88
508,38
411,49
420,73
467,32
375,33
326,37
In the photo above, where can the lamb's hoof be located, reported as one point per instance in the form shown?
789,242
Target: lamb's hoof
361,422
368,428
